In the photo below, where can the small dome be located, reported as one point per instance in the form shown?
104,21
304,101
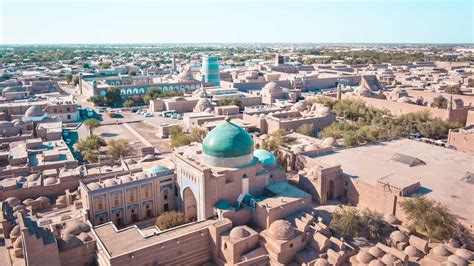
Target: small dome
20,179
34,111
50,181
109,182
362,91
13,201
389,259
69,242
376,252
398,237
239,232
157,169
282,230
94,186
28,202
464,253
227,140
271,86
364,256
453,243
43,199
15,232
457,260
441,250
265,157
126,179
299,106
75,228
412,251
18,244
329,142
376,263
321,262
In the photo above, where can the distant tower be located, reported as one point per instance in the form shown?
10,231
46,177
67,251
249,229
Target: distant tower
279,59
210,70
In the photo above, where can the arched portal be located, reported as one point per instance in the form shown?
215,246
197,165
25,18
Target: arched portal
190,205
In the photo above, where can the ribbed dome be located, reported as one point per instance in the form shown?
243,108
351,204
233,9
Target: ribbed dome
157,169
265,157
282,230
412,251
271,86
34,111
227,140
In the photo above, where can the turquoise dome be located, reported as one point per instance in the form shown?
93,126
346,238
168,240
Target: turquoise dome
227,140
265,157
157,169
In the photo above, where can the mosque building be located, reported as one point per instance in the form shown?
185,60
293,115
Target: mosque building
222,171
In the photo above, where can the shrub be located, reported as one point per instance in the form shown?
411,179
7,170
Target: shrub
169,220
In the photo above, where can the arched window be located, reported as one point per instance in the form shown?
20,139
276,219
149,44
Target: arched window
123,92
135,91
142,91
129,91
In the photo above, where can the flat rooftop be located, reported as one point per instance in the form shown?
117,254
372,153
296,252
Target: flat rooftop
442,175
119,242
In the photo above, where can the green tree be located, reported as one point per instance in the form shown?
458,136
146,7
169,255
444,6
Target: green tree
198,135
91,124
430,217
440,102
69,78
168,220
305,129
230,101
113,97
129,103
118,148
89,147
347,223
453,89
97,100
373,223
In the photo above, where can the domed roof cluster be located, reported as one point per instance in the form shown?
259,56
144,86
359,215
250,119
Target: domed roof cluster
281,230
227,140
265,157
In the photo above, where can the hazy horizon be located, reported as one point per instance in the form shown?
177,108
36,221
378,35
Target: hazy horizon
105,22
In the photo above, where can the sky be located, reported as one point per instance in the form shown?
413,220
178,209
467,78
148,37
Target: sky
236,21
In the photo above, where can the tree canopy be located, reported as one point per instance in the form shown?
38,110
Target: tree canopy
118,148
171,219
89,147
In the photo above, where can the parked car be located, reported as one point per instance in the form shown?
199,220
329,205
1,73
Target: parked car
134,109
101,109
147,114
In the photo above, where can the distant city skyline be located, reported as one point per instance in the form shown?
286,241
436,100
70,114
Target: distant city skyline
211,21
